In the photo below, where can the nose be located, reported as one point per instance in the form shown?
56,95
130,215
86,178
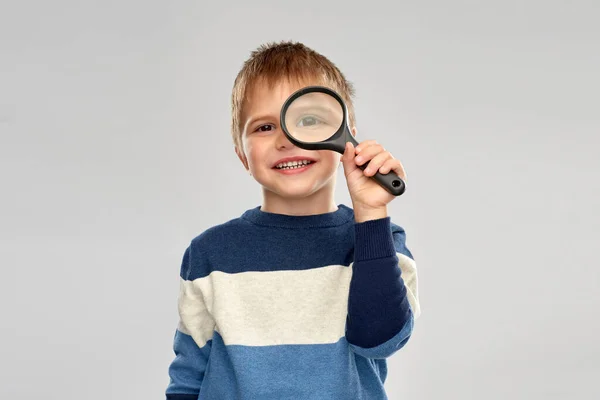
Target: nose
282,141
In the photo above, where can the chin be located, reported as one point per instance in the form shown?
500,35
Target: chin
294,187
294,190
297,191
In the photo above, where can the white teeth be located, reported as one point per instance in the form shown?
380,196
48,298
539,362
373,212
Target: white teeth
292,164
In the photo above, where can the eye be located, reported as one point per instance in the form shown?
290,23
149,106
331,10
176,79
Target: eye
265,128
308,120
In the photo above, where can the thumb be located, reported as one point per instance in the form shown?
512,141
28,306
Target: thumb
348,159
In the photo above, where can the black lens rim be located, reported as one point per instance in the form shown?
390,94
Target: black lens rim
337,141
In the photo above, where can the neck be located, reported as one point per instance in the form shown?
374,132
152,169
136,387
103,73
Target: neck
320,202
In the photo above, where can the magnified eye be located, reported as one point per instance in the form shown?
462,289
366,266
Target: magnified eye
308,120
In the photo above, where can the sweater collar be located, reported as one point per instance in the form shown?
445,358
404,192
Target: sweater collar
338,217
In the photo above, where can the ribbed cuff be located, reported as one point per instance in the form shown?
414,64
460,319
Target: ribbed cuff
373,239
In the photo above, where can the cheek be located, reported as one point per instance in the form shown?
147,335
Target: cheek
253,153
330,158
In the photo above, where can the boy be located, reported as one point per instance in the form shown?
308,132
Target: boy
298,298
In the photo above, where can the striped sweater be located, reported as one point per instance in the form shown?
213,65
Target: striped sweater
276,306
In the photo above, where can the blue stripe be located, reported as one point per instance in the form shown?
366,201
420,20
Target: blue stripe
240,246
186,372
324,371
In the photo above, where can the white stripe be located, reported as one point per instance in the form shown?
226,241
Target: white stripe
194,318
279,307
275,307
409,275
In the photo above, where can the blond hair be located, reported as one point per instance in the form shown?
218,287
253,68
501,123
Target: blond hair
273,62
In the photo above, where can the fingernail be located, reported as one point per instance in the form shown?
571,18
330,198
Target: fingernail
359,158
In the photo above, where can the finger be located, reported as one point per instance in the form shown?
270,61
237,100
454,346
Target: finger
361,146
348,159
368,153
393,165
376,163
347,150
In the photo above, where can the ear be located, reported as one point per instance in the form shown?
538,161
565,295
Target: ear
242,157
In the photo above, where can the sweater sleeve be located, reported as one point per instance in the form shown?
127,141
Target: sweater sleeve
380,317
191,343
408,268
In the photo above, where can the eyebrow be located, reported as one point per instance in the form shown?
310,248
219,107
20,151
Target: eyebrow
252,120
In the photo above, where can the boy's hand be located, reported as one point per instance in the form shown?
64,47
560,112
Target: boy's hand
369,199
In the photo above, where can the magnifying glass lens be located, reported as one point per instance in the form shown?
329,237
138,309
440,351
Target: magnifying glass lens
314,117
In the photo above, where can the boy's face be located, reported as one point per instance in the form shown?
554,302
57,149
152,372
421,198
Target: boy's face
265,147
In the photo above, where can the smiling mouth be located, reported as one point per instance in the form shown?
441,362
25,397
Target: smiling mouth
297,169
293,165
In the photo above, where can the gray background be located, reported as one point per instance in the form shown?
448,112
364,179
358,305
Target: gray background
115,152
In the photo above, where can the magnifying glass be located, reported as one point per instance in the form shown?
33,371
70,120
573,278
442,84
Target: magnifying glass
316,118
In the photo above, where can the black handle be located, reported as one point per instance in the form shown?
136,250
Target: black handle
390,181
